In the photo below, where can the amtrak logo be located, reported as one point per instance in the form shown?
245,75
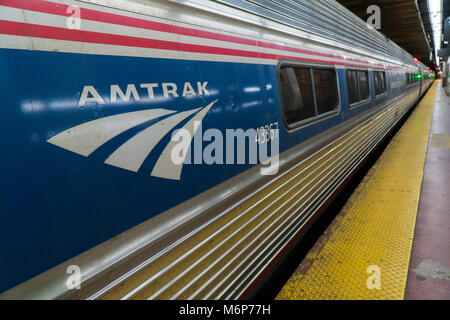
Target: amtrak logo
88,137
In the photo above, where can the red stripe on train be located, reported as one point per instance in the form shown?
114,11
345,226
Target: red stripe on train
105,17
40,31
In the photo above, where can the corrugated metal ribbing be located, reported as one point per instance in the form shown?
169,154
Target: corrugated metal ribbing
325,18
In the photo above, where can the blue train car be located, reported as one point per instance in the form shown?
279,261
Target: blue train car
175,149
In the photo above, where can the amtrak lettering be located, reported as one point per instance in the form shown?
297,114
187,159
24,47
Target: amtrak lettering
87,137
147,90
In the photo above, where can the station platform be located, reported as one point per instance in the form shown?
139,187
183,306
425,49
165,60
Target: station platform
391,239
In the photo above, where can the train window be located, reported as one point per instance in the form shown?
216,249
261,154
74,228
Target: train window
325,85
380,82
307,93
352,84
410,79
358,86
363,84
298,101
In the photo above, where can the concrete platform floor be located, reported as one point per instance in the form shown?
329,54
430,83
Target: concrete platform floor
429,270
392,238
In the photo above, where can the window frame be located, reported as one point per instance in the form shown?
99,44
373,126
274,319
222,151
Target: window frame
361,102
408,79
381,95
412,79
319,117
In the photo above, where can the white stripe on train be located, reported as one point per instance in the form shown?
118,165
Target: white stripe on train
26,16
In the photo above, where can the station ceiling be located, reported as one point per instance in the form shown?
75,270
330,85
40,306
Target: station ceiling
405,22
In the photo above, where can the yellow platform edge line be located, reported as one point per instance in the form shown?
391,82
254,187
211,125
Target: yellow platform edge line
364,254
